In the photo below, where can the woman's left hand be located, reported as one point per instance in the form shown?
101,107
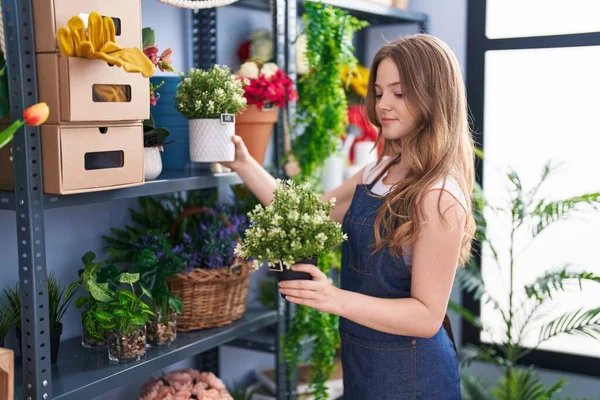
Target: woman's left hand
318,293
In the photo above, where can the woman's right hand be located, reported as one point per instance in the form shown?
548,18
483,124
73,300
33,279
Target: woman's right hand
242,156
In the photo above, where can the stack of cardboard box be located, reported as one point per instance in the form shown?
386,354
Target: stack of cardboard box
89,143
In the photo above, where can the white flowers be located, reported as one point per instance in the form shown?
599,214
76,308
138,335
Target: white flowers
269,69
248,70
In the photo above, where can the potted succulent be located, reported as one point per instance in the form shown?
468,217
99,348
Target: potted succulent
59,299
295,228
267,89
210,99
96,278
124,319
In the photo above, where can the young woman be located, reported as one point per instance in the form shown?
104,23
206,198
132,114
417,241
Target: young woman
409,225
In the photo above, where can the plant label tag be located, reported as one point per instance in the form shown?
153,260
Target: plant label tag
227,119
267,106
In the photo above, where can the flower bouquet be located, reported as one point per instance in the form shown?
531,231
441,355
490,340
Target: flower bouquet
185,384
267,89
295,228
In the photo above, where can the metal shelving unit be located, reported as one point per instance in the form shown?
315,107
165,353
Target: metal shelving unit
79,374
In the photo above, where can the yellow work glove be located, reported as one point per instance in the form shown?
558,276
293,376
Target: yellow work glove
98,42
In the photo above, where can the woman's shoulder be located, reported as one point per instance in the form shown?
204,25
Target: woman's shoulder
451,185
374,168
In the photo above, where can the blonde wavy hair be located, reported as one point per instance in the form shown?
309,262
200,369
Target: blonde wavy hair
439,146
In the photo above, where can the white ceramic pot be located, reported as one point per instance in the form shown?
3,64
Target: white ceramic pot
210,140
152,162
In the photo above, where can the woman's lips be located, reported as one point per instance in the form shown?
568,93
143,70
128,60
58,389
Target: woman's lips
387,121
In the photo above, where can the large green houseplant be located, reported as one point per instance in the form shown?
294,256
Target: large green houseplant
531,214
322,107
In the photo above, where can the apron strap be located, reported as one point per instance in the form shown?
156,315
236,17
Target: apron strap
448,327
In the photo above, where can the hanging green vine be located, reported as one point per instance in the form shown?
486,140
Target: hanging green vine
308,323
322,107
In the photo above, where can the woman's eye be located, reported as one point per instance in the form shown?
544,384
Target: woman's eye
378,96
398,95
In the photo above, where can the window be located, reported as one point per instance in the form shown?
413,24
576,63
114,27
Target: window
534,100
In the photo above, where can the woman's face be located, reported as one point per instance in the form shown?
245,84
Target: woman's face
392,109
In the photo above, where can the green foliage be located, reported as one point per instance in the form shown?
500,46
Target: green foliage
322,105
322,328
295,226
153,136
7,317
526,305
125,311
206,94
59,299
267,291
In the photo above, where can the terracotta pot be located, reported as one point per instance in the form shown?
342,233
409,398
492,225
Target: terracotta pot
255,127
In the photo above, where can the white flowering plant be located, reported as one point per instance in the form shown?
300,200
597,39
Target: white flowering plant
206,94
295,226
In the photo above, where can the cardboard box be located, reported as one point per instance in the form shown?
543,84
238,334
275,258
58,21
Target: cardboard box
7,374
85,158
69,84
7,182
49,15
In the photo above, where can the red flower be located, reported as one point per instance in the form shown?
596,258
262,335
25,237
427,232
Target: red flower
278,89
152,53
37,114
244,51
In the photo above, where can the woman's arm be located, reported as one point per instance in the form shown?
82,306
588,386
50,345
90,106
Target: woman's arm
435,256
262,184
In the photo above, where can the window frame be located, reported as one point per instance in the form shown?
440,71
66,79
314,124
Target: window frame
477,46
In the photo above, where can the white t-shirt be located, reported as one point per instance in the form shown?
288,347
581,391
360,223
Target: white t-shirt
449,185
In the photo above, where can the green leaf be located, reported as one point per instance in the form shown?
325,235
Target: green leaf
554,281
465,314
546,213
138,319
176,304
99,292
127,277
486,353
103,316
148,37
474,388
82,301
88,257
581,322
525,384
146,292
121,313
7,135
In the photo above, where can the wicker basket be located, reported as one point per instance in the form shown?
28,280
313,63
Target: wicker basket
211,297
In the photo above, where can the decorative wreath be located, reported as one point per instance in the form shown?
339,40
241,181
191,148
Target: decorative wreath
198,4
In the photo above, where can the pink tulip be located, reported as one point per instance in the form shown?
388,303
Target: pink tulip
36,114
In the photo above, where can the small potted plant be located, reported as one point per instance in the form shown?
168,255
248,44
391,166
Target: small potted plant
157,260
59,299
210,99
295,228
267,89
98,280
6,319
124,320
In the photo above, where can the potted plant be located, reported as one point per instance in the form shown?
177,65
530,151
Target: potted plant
59,299
6,319
124,319
524,306
96,278
267,89
210,99
295,228
156,260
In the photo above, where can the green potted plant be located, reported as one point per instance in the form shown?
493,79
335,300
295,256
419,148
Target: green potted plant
523,307
124,319
210,99
6,319
295,228
96,278
59,299
156,259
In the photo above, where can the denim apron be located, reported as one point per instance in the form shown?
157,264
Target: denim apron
378,365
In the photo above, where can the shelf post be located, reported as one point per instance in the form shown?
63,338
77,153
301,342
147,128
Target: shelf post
29,205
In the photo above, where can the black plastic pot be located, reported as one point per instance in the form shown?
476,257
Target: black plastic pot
289,275
55,335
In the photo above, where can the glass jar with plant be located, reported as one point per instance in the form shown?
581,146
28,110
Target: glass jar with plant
210,99
156,260
59,299
524,308
294,228
124,320
97,279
